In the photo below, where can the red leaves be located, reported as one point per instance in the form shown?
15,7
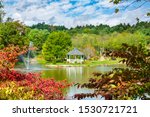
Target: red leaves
49,88
8,56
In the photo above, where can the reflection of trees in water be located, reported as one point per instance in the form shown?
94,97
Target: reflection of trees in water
82,75
74,73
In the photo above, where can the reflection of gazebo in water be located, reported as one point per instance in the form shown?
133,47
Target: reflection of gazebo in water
75,56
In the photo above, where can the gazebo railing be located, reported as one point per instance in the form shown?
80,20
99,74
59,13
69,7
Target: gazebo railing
75,60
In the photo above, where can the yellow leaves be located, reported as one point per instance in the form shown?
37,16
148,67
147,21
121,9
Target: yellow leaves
111,81
131,88
20,88
118,84
113,86
111,75
8,91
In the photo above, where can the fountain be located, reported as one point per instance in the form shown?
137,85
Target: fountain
30,63
27,60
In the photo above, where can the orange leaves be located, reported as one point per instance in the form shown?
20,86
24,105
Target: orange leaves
48,88
9,55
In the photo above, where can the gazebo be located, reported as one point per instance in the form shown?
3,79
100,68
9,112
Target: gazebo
75,56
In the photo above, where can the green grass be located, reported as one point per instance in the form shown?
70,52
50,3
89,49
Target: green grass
104,62
42,61
107,61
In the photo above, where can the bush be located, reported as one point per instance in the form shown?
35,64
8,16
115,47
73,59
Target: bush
15,85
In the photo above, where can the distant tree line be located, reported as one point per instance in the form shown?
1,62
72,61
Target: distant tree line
90,39
99,29
53,42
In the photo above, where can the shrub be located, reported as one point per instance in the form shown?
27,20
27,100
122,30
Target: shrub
15,85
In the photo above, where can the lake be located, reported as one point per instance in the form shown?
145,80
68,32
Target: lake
78,74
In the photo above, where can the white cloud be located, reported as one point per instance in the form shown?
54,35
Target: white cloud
106,3
65,13
17,16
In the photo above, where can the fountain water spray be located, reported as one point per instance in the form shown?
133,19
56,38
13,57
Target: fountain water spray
27,60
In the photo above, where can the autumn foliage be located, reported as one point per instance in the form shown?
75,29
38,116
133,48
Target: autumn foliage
17,85
8,56
132,82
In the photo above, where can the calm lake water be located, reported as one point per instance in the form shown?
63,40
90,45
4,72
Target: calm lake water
72,74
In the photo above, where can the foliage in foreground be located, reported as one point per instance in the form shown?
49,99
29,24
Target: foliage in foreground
17,85
132,82
8,56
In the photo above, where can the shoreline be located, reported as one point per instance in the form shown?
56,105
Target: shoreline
88,63
82,65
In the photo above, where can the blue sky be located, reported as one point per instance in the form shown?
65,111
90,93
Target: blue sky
71,13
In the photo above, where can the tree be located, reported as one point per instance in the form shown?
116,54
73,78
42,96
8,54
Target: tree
13,33
89,51
56,46
131,82
115,40
38,37
132,2
2,13
90,44
50,28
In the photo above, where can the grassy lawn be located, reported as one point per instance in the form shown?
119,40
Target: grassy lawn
104,62
107,61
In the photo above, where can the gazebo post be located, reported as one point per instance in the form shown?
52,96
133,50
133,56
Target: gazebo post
81,57
69,58
75,58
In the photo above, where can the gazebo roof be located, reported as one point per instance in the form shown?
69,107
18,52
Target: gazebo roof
75,51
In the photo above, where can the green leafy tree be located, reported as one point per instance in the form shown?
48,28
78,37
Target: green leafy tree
90,44
56,46
115,40
38,37
13,33
48,27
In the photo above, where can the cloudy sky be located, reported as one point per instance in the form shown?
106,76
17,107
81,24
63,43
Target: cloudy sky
75,12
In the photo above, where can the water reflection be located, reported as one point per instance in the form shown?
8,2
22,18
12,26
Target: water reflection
71,74
76,75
